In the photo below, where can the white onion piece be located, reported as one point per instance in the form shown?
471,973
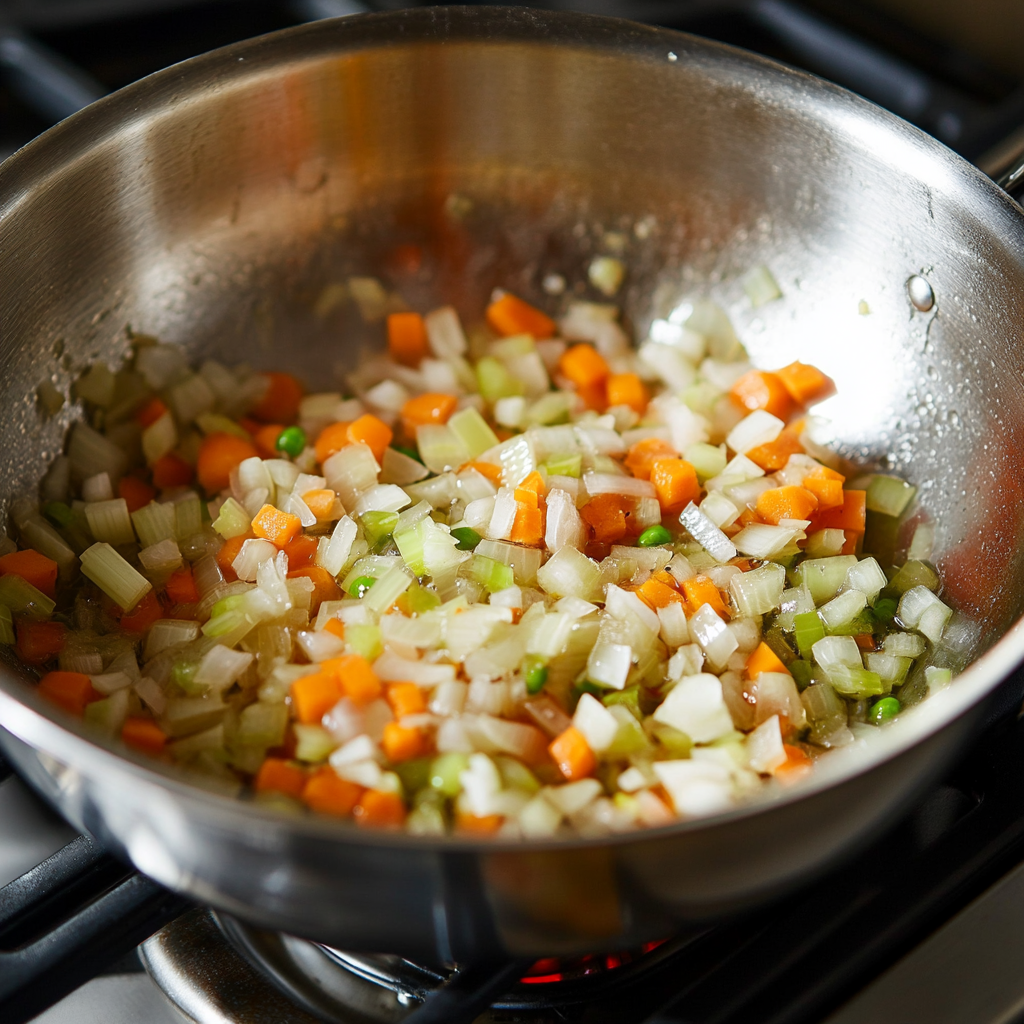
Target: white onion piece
705,533
758,428
765,750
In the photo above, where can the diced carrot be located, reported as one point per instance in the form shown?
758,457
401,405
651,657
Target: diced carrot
400,743
524,496
827,486
796,765
219,454
279,776
320,502
405,699
33,567
171,470
806,384
426,409
477,824
627,389
605,515
38,642
789,502
851,515
325,586
280,528
486,469
405,258
510,315
644,454
528,526
407,338
181,586
764,659
656,594
355,676
379,809
372,432
300,552
69,690
331,439
571,753
534,483
137,493
265,440
583,365
774,455
143,734
851,545
280,402
143,615
150,412
701,590
228,553
675,482
314,695
325,793
336,627
866,642
760,389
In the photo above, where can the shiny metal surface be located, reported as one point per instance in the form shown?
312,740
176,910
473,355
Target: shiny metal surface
212,203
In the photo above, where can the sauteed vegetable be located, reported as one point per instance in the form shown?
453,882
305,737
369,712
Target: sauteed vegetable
529,581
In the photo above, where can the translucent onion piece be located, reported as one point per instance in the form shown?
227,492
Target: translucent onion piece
696,788
350,472
569,573
254,551
444,333
758,428
760,540
765,750
220,667
380,498
609,665
759,591
335,554
399,468
159,438
97,488
705,533
167,633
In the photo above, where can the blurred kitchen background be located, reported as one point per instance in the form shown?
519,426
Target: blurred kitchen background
954,69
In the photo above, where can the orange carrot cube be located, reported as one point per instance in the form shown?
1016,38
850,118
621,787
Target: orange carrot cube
280,402
69,690
301,552
806,384
572,755
38,642
790,502
656,594
605,515
627,389
325,587
774,455
407,338
584,366
372,432
325,793
477,824
701,590
379,809
426,409
172,470
675,482
510,315
219,454
764,659
528,526
400,743
331,439
405,699
280,528
32,567
137,493
642,456
280,776
314,695
759,389
355,676
143,734
827,486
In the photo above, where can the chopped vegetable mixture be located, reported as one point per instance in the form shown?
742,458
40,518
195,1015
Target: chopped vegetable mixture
528,582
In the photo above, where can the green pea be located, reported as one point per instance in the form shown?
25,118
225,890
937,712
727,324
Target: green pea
361,585
884,711
654,536
467,538
291,441
535,673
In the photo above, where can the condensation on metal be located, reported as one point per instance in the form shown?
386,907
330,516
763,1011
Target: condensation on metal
921,294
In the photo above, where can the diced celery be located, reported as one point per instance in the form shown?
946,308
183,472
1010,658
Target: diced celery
21,598
675,743
262,725
314,744
154,522
445,771
420,599
377,528
889,495
824,576
108,715
6,625
490,574
564,465
188,516
495,381
472,429
629,698
859,683
364,639
515,775
914,574
707,459
802,672
808,630
232,521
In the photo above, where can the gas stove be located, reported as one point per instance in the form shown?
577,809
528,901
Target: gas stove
925,925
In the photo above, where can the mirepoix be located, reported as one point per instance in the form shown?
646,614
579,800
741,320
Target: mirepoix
527,582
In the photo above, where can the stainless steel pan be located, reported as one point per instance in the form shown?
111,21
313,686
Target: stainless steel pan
211,204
